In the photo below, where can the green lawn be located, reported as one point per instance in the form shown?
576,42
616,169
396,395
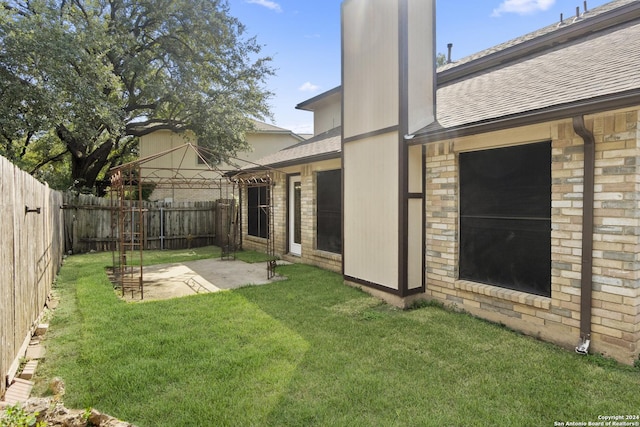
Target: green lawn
310,351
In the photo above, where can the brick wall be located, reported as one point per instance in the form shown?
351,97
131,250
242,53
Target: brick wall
278,192
442,221
309,255
616,268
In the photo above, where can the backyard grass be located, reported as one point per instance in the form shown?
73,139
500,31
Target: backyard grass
168,256
310,351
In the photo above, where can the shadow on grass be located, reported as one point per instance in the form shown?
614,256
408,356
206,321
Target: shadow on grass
310,351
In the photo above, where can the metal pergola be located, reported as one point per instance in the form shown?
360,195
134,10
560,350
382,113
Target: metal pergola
128,212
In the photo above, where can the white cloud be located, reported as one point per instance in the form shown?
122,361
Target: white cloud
522,7
267,3
309,87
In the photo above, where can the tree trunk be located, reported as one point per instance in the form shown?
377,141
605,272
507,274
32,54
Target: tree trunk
85,165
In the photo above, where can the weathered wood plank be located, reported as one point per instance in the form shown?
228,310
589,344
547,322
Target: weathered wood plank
167,225
30,253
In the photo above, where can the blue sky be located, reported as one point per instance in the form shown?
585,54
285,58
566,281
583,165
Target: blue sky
303,37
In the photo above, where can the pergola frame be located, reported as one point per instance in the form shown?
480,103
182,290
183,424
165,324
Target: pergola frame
127,218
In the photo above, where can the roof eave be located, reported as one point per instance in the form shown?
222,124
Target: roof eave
308,104
557,112
296,162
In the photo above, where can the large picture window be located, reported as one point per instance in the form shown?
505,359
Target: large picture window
505,217
257,219
329,211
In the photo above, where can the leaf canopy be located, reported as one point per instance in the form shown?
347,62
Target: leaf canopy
96,74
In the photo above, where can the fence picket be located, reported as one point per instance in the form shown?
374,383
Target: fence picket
32,245
30,256
177,225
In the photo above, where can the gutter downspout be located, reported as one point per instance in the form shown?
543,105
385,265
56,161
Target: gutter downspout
586,279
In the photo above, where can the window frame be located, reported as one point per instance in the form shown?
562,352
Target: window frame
329,211
505,217
257,218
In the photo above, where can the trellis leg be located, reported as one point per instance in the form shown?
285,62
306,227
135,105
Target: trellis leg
130,229
271,241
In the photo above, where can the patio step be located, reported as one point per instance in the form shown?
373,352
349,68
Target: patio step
18,392
41,329
29,370
35,351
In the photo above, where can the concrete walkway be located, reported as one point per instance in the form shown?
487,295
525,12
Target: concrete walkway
165,281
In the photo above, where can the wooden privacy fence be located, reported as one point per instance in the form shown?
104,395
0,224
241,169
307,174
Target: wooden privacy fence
88,224
31,227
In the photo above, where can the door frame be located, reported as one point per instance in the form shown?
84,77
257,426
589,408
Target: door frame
294,248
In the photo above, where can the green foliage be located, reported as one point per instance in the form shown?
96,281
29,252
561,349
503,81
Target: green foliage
82,80
86,414
252,257
441,59
16,416
422,303
146,190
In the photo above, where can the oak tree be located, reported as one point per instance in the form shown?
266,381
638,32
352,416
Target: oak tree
82,79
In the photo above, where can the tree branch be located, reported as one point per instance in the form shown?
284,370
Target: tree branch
75,147
144,128
47,161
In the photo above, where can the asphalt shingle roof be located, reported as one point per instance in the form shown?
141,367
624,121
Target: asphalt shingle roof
549,29
606,62
601,64
321,145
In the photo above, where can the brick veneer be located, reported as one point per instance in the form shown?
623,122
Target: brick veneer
616,265
309,255
616,258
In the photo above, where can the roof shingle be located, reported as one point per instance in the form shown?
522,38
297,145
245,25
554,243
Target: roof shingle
601,64
561,71
323,145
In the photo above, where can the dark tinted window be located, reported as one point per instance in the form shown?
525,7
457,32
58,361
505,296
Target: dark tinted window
257,212
505,217
329,211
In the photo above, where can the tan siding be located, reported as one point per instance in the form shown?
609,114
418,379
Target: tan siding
414,262
262,143
509,137
415,169
327,117
371,210
421,67
370,42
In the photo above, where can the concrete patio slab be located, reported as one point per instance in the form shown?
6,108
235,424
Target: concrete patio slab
165,281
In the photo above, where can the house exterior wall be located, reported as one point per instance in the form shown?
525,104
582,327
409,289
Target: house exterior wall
262,143
370,212
616,265
192,194
328,116
310,255
370,42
